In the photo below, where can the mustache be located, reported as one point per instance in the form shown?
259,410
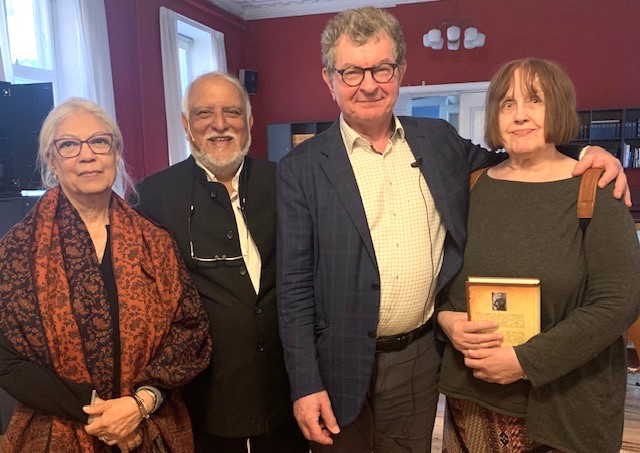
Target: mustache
214,135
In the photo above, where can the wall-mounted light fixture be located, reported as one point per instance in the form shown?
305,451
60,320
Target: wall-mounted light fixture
472,38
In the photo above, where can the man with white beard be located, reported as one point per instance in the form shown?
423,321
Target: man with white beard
220,206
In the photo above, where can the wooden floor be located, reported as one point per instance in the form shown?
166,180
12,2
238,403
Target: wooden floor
630,437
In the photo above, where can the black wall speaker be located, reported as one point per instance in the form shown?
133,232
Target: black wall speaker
250,80
23,108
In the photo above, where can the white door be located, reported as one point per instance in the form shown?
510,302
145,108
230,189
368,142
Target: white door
471,118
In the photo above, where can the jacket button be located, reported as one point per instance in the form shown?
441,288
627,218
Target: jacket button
229,234
261,348
213,195
375,287
258,310
371,334
243,271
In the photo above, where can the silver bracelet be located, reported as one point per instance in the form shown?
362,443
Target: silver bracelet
141,407
158,398
153,397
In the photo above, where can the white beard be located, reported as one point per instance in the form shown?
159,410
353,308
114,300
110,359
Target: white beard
222,169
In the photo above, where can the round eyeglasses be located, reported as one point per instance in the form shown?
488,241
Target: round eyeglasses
354,75
70,147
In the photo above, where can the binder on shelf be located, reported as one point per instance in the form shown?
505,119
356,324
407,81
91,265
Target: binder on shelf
605,129
631,129
626,156
631,157
583,133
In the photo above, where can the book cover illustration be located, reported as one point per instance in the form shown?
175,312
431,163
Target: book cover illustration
513,303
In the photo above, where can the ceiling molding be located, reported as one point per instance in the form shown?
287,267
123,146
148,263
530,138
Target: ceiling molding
269,9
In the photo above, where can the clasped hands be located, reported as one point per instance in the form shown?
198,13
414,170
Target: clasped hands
481,348
116,422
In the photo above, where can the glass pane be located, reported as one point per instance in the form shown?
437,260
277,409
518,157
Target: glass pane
28,33
183,58
20,80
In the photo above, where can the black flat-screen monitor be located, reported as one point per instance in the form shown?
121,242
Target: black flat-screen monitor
23,108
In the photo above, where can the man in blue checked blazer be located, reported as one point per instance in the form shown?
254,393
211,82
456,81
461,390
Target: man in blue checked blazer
371,225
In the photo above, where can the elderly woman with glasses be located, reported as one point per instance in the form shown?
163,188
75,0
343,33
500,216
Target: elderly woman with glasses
99,319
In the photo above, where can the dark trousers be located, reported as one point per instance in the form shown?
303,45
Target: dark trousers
400,408
286,439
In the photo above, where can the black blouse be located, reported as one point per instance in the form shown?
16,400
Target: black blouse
41,388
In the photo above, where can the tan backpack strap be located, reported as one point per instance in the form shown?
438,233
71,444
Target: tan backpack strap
587,192
473,177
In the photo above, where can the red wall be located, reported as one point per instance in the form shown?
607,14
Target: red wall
134,40
596,41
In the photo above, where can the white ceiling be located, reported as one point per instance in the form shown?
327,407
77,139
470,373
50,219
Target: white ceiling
266,9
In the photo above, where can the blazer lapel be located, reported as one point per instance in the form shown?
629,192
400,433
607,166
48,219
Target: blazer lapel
422,145
338,170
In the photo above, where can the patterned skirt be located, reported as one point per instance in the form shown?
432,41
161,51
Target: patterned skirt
470,428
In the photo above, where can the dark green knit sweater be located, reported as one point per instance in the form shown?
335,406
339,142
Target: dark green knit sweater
590,291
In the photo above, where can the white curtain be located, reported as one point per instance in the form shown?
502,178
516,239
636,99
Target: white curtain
219,56
6,68
96,55
82,56
82,51
215,60
178,150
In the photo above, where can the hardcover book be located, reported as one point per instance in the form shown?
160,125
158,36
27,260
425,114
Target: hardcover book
513,303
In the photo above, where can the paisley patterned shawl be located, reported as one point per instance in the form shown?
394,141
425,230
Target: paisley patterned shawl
54,311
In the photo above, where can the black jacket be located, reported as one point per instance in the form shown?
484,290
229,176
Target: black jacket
245,392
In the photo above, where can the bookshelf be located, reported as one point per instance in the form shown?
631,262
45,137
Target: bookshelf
281,138
617,131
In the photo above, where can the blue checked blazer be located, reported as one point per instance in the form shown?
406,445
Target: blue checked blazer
328,284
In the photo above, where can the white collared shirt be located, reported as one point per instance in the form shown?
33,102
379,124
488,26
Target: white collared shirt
250,252
405,226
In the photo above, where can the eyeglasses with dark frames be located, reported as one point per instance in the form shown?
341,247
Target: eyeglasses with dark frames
70,147
354,75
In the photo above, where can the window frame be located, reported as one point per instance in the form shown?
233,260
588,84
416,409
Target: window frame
185,44
45,45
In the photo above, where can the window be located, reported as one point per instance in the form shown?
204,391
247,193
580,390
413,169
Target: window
189,49
63,42
184,57
195,42
31,41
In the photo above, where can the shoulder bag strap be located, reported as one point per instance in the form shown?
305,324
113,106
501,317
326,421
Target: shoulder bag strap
473,177
587,195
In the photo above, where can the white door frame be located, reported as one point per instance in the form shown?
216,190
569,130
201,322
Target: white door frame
471,120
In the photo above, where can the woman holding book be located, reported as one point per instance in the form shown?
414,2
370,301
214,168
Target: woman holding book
99,319
563,389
